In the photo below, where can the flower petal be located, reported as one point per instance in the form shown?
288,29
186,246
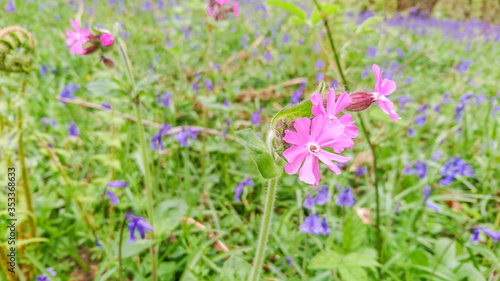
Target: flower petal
294,138
319,107
302,126
293,167
387,87
307,174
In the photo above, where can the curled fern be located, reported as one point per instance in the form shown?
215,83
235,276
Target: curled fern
17,46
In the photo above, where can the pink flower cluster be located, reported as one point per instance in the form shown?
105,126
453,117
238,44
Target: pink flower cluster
218,9
77,38
310,140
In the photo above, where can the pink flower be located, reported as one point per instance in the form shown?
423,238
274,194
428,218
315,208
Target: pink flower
307,147
107,39
218,9
333,108
383,88
77,38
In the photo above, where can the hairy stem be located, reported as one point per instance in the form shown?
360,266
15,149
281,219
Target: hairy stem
264,230
377,194
147,172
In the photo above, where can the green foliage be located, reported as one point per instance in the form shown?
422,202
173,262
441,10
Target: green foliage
260,154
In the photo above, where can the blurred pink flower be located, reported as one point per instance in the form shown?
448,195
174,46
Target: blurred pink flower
307,147
334,106
383,88
77,38
107,39
218,9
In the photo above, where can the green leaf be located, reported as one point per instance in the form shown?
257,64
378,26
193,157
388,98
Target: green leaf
441,248
354,233
299,110
297,21
328,10
129,250
289,7
145,82
332,260
355,273
103,86
367,25
168,215
235,269
419,257
470,273
259,153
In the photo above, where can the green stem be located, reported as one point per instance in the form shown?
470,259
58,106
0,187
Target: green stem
24,171
377,195
120,249
332,45
147,172
264,230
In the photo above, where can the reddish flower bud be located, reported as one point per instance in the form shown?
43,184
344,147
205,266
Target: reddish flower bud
109,63
91,49
360,101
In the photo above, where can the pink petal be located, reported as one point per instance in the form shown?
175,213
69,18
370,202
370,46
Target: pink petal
77,49
75,25
294,138
236,9
388,107
293,152
378,76
342,102
319,124
319,107
70,41
339,144
349,129
387,87
210,10
293,167
316,173
306,172
332,131
302,126
328,162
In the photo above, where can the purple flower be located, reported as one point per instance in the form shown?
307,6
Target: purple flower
44,277
475,236
256,117
320,76
247,181
289,260
371,52
427,193
320,64
420,169
403,100
106,105
117,184
10,7
183,136
209,85
309,202
495,235
296,97
157,139
437,155
365,72
45,121
315,225
98,244
195,87
73,130
453,168
323,196
361,171
68,92
286,38
113,198
464,66
268,56
226,103
164,100
43,70
138,223
346,197
400,53
411,132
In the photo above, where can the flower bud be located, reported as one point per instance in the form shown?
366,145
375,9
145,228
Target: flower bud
107,39
360,101
91,49
108,63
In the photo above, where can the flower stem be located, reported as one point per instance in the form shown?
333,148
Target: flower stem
366,133
264,230
147,172
120,249
332,45
377,195
24,170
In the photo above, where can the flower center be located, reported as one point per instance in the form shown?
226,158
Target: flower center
313,148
